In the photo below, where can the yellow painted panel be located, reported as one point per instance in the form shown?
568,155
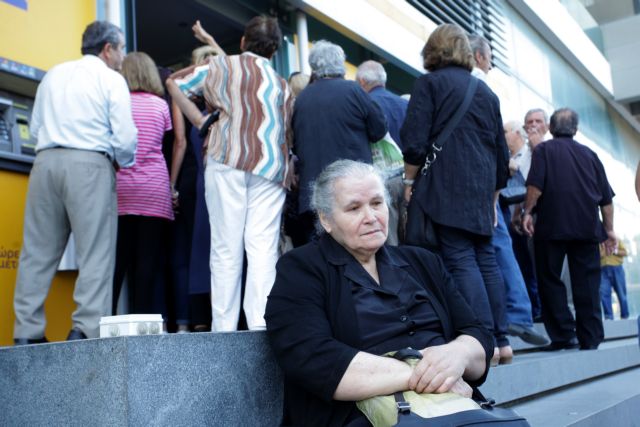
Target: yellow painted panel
59,304
47,33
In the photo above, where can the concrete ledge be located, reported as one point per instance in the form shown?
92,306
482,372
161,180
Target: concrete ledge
190,379
540,372
613,329
608,401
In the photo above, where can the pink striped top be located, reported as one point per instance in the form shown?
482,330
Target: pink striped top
144,188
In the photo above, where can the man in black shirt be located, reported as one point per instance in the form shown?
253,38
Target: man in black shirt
567,185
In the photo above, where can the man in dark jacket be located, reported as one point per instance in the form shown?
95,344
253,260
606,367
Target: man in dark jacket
333,119
372,77
567,185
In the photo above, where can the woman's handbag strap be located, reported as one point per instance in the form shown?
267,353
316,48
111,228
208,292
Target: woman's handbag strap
451,124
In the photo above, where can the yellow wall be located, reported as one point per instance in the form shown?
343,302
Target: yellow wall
59,304
47,33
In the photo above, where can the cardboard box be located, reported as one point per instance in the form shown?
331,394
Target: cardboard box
130,324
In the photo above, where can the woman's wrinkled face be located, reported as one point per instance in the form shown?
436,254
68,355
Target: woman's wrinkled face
360,215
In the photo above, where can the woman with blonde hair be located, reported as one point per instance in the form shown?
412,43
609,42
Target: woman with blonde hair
144,198
457,182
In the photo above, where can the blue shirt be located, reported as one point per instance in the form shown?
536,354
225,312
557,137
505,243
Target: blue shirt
394,109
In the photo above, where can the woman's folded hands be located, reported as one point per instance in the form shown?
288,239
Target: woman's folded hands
443,366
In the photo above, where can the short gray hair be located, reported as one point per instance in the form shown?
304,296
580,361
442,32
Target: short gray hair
537,110
479,44
327,59
515,126
564,122
372,73
323,189
97,34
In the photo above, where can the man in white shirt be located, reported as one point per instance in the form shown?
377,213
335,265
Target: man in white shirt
517,304
85,131
481,55
518,148
536,125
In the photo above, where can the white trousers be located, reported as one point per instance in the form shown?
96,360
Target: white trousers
244,214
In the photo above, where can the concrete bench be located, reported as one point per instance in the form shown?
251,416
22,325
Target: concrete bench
233,379
161,380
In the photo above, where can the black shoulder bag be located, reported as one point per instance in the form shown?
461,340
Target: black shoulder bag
419,230
410,409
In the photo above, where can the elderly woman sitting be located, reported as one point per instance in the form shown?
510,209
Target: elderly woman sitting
341,302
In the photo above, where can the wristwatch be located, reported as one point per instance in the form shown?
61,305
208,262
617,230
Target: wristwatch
406,181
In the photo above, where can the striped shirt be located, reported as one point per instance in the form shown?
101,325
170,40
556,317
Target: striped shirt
255,111
144,188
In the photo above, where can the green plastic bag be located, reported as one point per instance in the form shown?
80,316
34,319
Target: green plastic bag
387,156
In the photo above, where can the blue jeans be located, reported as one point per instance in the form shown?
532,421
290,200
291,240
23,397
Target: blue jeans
612,276
518,308
471,260
523,256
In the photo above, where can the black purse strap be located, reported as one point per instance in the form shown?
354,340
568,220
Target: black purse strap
436,147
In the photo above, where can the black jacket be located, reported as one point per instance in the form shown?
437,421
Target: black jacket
313,328
474,161
332,119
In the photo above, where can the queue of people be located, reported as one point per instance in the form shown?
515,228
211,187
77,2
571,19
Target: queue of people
264,149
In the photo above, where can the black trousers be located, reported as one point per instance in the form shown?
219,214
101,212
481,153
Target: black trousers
140,255
471,260
584,267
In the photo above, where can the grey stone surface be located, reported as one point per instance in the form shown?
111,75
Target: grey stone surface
232,379
540,372
609,401
163,380
73,384
613,329
203,379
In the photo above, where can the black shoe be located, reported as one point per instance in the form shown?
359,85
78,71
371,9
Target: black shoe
589,347
562,345
76,334
527,334
27,341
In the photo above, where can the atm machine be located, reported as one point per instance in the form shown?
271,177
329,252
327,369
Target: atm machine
18,84
15,117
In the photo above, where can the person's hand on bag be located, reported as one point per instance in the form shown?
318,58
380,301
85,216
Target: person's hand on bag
439,370
461,388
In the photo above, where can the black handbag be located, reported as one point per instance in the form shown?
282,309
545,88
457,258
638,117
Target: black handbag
487,416
410,409
419,228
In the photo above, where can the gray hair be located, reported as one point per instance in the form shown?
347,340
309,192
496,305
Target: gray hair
372,73
537,110
515,126
479,44
327,59
564,122
323,194
97,34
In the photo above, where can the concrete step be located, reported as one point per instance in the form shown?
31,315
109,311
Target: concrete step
607,401
539,372
154,380
613,329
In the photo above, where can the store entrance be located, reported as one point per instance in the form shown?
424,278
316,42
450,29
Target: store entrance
162,28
